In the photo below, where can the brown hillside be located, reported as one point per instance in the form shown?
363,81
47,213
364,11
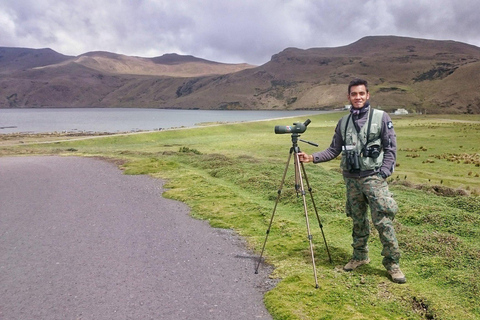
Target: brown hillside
171,65
416,74
17,59
410,73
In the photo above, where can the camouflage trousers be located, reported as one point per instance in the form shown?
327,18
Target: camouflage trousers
372,191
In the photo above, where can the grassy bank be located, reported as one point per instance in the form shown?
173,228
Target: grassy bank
230,174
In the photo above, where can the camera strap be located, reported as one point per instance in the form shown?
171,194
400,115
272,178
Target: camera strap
370,117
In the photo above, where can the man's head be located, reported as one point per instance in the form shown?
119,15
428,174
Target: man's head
358,93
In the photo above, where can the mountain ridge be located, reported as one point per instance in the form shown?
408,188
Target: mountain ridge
419,75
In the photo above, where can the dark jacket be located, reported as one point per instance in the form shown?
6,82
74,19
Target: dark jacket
389,145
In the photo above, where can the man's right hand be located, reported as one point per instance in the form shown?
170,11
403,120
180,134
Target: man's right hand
305,158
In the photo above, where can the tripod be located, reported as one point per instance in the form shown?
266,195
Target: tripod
300,175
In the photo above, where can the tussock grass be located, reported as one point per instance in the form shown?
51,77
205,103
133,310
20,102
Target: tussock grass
230,176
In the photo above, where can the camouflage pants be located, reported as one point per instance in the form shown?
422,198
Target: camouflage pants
372,191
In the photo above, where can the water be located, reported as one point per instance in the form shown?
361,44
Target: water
114,120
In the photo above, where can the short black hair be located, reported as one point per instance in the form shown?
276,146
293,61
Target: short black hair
357,82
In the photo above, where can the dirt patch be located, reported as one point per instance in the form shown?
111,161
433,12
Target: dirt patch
435,189
421,307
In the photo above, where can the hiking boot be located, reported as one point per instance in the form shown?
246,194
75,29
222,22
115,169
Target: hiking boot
397,275
354,264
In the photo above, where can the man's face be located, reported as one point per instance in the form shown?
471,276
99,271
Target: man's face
358,96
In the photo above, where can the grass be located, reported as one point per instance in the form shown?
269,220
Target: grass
230,174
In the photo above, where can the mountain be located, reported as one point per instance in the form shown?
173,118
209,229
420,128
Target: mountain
14,59
172,65
416,74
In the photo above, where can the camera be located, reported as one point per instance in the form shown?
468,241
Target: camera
372,151
353,161
297,127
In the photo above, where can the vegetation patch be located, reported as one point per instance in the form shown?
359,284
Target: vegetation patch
465,158
441,71
188,150
391,89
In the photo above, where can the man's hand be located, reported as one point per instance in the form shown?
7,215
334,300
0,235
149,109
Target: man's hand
303,157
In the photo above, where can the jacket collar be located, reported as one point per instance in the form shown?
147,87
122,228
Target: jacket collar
360,111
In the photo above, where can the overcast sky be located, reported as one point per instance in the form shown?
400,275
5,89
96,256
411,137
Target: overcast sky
230,31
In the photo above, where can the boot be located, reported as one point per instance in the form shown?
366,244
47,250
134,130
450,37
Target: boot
354,264
397,275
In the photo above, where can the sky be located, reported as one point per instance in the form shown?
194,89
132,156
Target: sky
229,31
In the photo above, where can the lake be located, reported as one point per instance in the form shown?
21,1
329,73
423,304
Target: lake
113,120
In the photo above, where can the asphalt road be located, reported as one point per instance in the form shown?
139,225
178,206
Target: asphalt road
81,240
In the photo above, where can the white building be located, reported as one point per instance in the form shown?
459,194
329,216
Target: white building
401,111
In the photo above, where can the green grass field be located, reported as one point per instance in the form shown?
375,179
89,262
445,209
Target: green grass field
230,174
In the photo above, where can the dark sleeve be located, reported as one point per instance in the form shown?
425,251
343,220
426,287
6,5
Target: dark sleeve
335,147
389,144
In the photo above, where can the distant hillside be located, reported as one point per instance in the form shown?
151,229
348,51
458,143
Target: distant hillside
17,59
171,65
416,74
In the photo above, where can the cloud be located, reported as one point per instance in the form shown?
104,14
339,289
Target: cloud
444,20
226,30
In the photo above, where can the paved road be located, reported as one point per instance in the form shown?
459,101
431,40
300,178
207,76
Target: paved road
80,240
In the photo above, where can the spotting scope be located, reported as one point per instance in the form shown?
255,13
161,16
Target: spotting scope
298,127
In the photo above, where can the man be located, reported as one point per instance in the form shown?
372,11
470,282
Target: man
367,141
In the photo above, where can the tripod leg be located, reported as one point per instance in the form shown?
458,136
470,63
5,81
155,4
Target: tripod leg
316,212
302,189
279,192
